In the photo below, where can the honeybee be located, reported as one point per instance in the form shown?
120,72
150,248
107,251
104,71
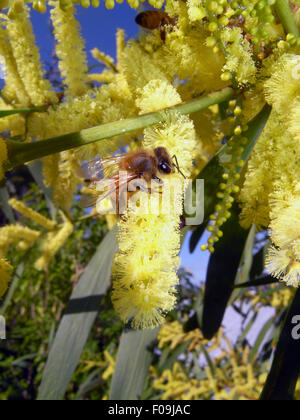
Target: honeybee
117,172
153,19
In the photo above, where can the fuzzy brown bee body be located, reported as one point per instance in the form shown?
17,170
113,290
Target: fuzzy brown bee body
153,19
146,165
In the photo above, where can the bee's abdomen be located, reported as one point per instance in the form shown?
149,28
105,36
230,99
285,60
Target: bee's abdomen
152,19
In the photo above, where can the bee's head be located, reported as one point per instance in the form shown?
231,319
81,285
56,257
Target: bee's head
165,163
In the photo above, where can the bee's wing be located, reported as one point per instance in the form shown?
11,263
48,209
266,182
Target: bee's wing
87,200
97,169
105,188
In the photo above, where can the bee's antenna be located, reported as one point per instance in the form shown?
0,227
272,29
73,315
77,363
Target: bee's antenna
177,166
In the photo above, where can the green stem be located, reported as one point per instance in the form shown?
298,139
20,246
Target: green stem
20,153
8,112
286,17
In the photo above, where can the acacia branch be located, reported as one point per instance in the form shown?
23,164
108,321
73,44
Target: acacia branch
20,153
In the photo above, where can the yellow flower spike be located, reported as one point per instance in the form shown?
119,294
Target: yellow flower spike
27,57
120,41
14,90
284,226
196,10
157,94
110,361
53,242
294,118
12,234
270,179
281,265
239,61
107,76
5,275
146,264
31,214
284,73
67,179
70,50
103,58
15,7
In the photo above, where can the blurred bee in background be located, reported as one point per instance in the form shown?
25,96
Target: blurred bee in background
153,19
115,173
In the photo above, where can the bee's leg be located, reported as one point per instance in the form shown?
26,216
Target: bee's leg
162,30
158,180
163,34
143,188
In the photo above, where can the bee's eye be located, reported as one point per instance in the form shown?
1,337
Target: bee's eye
163,167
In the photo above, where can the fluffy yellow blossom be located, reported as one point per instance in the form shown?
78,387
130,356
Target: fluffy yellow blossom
13,234
282,264
178,8
67,179
238,60
159,92
107,76
272,172
284,72
70,49
196,10
31,214
145,269
294,119
53,242
27,58
145,266
107,60
120,46
14,90
5,275
285,227
15,124
139,66
3,157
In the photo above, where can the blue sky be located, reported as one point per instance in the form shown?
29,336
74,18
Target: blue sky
98,27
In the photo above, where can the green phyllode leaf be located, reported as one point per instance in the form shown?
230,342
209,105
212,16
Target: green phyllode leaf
77,321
